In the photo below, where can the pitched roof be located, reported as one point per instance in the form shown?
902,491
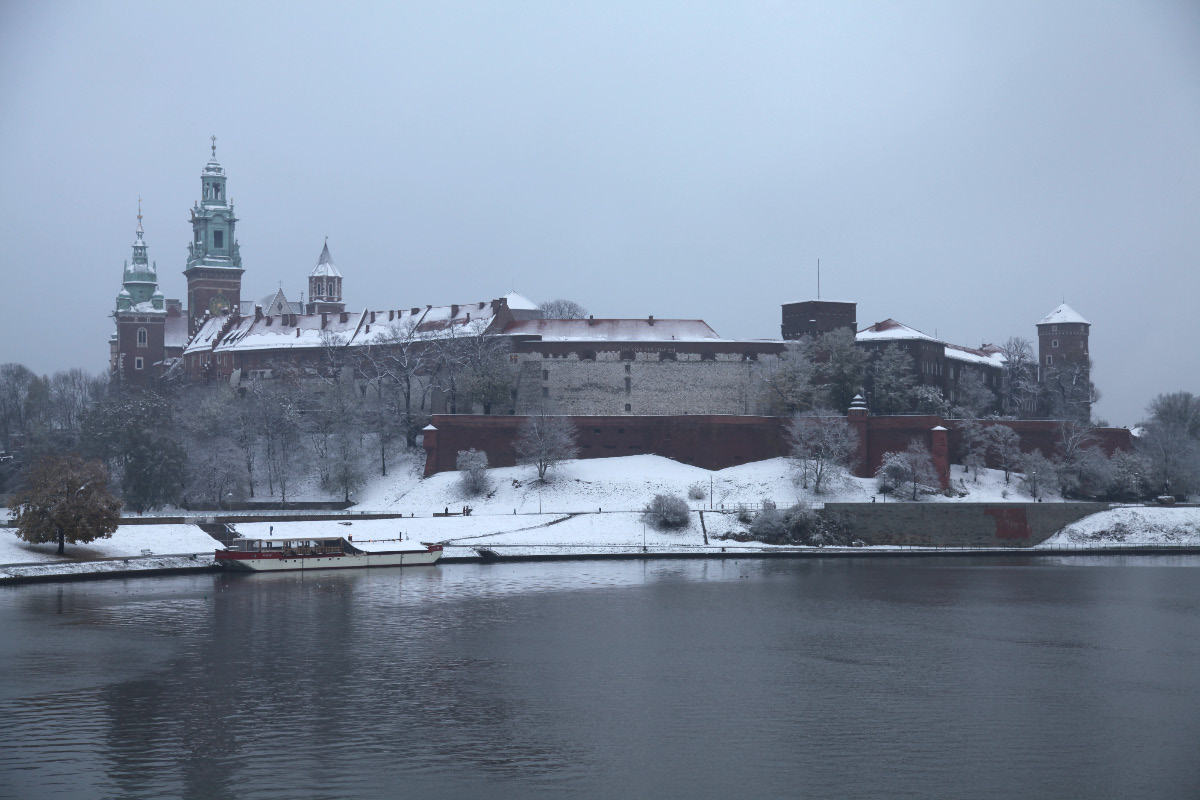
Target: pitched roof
518,303
325,266
1064,313
890,330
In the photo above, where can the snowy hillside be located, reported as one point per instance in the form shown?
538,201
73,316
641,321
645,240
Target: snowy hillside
1135,525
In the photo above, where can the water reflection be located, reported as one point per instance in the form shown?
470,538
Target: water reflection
705,678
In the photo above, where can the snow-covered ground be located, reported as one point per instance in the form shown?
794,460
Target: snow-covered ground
1132,525
627,483
146,547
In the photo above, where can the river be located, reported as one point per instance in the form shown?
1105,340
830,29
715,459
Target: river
890,678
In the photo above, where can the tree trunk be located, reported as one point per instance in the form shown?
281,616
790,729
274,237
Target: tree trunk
62,540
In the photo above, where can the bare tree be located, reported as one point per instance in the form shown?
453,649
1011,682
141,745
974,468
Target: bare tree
1018,389
910,469
1004,445
562,308
403,361
972,445
544,441
1038,473
823,448
14,388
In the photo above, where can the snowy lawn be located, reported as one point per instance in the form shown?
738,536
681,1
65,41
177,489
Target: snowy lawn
1132,525
129,540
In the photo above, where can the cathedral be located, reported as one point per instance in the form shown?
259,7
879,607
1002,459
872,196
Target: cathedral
152,331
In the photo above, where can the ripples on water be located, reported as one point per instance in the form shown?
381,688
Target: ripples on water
880,678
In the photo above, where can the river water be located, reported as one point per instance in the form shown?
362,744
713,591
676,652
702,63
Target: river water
890,678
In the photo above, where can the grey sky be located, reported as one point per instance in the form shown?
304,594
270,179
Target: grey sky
957,166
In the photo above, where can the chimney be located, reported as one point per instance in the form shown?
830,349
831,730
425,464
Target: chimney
345,316
258,315
391,315
297,332
454,310
415,311
269,319
372,316
324,320
651,319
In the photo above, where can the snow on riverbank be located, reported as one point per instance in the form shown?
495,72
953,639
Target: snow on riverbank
1132,525
627,483
129,541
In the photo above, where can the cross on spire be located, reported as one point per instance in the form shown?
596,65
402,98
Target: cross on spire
214,145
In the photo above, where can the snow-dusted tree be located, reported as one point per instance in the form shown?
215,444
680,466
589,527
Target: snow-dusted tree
1077,469
1129,475
135,433
666,511
279,427
1018,388
929,400
401,363
244,431
14,388
1173,458
1177,410
72,392
489,377
336,358
787,381
65,499
1038,474
1067,391
346,473
892,379
972,396
841,367
972,445
908,471
1004,445
562,308
823,448
544,440
472,468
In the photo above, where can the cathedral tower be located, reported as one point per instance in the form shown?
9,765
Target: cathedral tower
137,347
325,286
214,265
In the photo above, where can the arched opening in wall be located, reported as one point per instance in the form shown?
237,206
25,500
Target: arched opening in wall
628,355
587,355
666,355
750,356
143,338
708,356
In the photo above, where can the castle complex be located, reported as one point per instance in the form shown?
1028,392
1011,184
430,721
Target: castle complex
578,367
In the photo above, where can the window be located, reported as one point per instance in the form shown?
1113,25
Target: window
587,355
1049,360
628,355
137,363
545,374
596,431
1054,343
628,369
545,391
666,355
628,407
708,356
142,338
628,385
1054,329
218,238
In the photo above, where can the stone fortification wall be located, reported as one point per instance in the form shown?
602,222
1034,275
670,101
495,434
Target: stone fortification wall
656,382
959,524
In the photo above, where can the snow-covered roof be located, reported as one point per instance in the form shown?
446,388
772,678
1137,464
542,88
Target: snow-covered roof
299,331
517,302
613,330
1063,314
988,356
325,266
890,330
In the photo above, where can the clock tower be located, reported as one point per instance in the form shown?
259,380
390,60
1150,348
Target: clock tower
214,265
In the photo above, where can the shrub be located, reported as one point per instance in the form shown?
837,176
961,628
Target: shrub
472,468
697,491
744,514
666,511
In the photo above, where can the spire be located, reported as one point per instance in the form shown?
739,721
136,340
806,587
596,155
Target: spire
139,227
214,146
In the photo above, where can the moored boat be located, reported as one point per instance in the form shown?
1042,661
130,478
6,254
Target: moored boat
279,553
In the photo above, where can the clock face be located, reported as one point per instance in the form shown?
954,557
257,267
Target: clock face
218,305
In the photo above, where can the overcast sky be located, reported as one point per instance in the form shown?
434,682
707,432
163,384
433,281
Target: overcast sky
957,166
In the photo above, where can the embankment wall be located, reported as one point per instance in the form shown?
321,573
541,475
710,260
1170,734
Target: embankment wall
959,524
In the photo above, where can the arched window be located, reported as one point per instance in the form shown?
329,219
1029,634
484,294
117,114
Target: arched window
143,337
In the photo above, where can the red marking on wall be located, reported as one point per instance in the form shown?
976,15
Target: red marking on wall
1011,523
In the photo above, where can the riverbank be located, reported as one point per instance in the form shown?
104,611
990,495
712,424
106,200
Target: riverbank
134,549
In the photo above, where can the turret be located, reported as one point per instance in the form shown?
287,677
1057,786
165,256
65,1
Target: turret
214,264
325,285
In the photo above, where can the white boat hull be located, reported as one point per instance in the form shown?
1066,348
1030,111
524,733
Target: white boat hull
273,562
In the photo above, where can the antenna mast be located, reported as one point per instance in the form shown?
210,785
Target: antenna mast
818,279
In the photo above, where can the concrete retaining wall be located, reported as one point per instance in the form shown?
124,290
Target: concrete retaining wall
959,524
